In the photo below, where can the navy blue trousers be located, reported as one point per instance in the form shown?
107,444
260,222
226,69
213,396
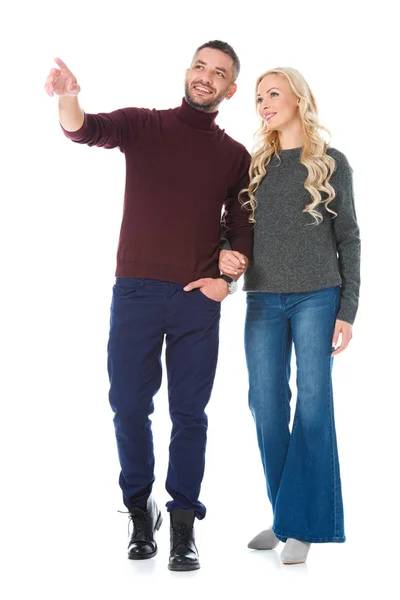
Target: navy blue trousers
144,312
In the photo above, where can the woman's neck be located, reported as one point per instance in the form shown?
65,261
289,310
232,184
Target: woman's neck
292,136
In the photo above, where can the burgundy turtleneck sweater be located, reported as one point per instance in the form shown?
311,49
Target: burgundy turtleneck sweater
181,169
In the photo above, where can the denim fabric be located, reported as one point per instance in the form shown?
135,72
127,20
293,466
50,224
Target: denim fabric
144,312
301,466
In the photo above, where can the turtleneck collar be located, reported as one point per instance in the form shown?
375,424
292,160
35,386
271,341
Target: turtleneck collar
196,118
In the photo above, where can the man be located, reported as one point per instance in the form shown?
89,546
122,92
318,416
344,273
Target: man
181,170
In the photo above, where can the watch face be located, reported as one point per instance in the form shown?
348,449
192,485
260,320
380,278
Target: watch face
233,287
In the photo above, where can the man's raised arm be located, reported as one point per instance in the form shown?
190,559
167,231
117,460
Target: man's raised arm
63,83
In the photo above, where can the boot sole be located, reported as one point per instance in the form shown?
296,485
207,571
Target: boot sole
147,556
183,567
141,557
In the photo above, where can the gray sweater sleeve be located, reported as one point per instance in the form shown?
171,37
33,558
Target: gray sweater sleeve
347,237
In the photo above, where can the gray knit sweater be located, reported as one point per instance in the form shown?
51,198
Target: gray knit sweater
291,254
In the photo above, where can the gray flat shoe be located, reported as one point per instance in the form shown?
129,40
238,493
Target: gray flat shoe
266,540
294,552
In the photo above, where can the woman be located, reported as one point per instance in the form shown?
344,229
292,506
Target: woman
302,291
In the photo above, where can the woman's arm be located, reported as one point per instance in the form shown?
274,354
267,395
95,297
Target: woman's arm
347,238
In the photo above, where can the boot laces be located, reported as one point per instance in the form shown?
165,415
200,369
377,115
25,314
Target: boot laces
182,533
137,523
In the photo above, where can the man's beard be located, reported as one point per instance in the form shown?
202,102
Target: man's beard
207,107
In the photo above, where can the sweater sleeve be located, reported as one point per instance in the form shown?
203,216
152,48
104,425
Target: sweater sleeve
347,237
224,244
237,232
115,129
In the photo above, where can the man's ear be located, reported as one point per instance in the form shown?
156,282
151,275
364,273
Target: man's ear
232,91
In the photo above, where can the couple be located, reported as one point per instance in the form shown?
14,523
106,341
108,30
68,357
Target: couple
292,199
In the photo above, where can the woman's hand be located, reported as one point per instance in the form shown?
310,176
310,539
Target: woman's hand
232,262
346,331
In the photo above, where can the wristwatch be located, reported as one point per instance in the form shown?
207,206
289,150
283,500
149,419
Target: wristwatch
232,284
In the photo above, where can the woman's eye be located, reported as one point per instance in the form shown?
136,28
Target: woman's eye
259,100
274,94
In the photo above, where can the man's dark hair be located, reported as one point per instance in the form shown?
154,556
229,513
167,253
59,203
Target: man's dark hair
227,49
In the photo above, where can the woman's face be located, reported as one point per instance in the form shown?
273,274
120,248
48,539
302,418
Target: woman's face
277,103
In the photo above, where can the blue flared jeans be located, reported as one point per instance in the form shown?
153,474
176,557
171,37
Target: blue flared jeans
301,464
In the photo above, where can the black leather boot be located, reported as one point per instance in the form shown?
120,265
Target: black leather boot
183,555
142,544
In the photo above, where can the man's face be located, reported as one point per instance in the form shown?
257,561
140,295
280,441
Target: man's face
209,80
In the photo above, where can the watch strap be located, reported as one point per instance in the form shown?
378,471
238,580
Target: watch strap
226,278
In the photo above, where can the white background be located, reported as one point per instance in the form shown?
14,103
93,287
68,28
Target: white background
61,203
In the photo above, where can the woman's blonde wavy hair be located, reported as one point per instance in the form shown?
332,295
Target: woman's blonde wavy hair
320,166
